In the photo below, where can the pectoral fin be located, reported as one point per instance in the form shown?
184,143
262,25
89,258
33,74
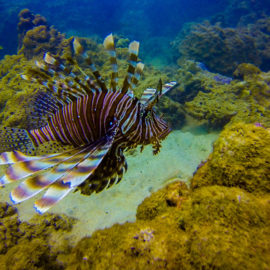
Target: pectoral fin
58,173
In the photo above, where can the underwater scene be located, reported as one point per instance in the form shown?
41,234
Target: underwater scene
135,134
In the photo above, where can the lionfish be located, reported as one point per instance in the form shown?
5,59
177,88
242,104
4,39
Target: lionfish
99,122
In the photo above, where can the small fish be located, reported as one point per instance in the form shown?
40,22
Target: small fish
99,122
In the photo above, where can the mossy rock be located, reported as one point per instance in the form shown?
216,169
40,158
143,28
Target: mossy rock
160,201
211,228
226,229
240,158
140,245
245,70
32,245
34,255
239,101
15,93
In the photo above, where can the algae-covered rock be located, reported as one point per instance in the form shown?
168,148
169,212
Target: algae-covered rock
245,70
35,255
227,229
211,228
9,223
160,201
240,158
31,245
151,245
27,21
15,93
238,101
223,49
36,37
256,83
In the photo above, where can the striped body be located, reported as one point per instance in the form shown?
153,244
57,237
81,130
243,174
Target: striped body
89,118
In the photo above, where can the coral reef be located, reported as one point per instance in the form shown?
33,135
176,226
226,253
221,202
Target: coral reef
36,37
15,92
241,12
27,21
244,99
31,245
222,221
240,158
223,49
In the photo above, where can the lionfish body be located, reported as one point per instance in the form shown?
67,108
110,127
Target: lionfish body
99,122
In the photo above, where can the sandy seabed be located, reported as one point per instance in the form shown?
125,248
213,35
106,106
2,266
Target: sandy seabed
179,157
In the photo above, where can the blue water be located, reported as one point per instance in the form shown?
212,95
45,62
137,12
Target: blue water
155,23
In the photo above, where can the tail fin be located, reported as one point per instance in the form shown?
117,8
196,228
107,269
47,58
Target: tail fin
15,139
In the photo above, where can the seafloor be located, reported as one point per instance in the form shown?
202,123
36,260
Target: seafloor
202,203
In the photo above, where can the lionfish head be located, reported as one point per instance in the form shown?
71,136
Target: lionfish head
156,128
160,125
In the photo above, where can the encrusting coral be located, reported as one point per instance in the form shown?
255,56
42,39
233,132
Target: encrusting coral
29,245
36,37
244,99
212,227
223,49
240,158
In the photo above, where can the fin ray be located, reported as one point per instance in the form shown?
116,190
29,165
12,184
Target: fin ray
133,56
66,173
73,178
109,46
